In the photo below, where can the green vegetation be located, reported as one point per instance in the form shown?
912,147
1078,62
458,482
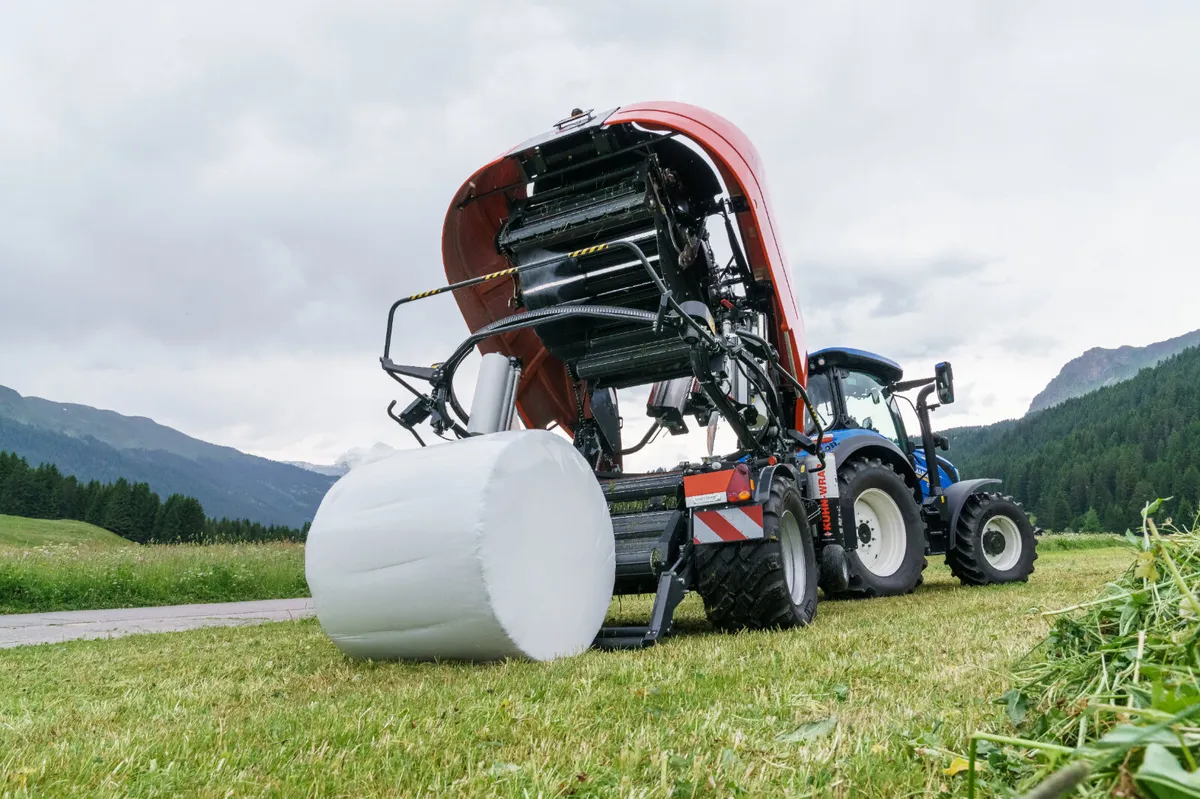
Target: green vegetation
17,531
83,577
1112,695
1093,462
868,701
130,510
1064,542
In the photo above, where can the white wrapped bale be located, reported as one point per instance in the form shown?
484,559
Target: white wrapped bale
492,547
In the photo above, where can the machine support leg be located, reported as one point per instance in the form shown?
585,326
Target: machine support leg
672,586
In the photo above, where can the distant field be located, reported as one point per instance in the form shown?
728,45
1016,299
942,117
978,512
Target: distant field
875,699
1060,542
17,531
64,565
65,577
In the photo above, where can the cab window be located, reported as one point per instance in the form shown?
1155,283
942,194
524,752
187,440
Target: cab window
820,393
867,408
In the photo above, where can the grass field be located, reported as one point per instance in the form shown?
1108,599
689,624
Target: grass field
869,701
1063,542
63,565
63,577
21,533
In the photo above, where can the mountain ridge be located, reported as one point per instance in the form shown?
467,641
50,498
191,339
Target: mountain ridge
99,444
1093,461
1100,366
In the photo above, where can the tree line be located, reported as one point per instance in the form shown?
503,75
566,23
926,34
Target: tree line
1092,462
131,510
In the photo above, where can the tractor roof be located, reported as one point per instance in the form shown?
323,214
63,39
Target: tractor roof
885,369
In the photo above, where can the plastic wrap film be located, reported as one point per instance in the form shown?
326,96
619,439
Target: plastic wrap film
492,547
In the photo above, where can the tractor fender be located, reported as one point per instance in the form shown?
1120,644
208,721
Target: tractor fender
957,495
767,477
879,447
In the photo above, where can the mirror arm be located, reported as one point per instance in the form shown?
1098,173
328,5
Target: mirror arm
928,444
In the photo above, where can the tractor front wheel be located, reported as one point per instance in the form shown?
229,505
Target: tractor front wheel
766,583
889,558
994,542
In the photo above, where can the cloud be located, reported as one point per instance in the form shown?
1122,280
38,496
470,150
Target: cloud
207,207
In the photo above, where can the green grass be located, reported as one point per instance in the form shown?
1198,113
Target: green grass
19,532
75,578
276,710
1062,542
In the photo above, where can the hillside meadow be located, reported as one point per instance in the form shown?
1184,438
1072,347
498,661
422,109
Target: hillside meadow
58,576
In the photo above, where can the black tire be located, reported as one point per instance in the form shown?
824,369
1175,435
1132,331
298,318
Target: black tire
974,540
854,478
747,585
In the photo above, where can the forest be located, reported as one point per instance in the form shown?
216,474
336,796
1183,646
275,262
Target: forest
1091,463
130,510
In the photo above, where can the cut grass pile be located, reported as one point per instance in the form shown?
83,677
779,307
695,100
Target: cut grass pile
1111,697
62,577
19,532
858,704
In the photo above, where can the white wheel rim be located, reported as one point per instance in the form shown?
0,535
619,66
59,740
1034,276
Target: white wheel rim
1001,541
795,569
882,534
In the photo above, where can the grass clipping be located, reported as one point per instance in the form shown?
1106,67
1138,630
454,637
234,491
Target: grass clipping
1109,703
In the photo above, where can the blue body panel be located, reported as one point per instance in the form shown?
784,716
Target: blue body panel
947,474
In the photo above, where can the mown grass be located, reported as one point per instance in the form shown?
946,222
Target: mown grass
19,532
276,710
82,577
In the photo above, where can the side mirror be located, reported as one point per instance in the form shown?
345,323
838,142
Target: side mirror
942,443
943,376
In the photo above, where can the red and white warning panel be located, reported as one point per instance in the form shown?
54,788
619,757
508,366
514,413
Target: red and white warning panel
740,523
717,488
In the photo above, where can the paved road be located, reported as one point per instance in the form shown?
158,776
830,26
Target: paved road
50,628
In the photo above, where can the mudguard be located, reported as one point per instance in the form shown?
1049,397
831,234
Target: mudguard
956,497
767,477
873,444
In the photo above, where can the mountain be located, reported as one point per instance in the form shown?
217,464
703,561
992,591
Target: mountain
1100,367
1092,462
103,445
334,469
347,461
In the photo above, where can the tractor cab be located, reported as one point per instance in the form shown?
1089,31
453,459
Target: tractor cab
856,393
886,516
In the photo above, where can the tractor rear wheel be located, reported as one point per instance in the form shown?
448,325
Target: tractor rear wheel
994,542
766,583
890,555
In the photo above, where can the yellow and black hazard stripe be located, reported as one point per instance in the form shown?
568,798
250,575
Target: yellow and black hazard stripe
502,273
471,282
588,251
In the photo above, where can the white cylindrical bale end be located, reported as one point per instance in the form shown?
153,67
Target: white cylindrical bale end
491,547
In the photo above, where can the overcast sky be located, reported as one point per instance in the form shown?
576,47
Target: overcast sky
206,207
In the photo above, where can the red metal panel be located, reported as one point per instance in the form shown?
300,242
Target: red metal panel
469,250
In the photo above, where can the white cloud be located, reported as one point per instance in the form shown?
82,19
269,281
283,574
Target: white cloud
206,207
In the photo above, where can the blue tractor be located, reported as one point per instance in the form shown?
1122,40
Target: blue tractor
882,515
